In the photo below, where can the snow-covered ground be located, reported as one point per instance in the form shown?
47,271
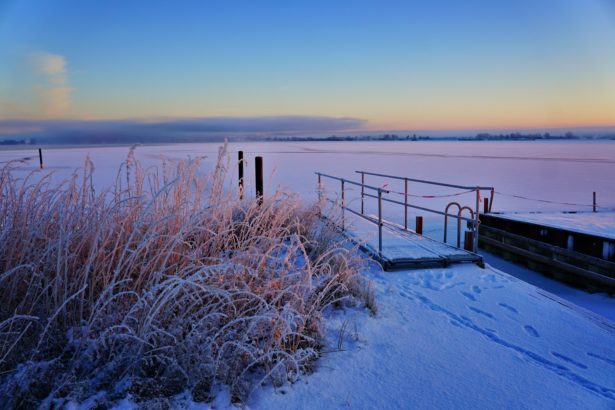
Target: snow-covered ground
599,223
455,338
460,337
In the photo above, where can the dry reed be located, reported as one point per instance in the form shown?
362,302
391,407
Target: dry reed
165,282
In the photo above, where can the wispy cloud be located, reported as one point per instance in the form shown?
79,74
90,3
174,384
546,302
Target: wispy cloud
55,93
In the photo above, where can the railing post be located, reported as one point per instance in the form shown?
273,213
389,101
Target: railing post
491,199
380,222
362,191
343,205
594,203
475,236
40,158
406,203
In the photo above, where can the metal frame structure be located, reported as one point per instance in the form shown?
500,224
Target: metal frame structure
343,206
473,220
474,214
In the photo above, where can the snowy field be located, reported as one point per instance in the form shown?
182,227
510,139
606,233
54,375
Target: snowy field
461,337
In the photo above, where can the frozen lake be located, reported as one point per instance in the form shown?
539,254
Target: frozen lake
563,172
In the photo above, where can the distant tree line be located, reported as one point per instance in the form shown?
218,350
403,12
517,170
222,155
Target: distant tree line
18,142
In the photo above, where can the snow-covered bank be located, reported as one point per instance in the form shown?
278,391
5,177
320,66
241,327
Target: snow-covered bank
460,337
600,303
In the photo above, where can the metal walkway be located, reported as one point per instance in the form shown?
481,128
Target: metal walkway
404,249
395,246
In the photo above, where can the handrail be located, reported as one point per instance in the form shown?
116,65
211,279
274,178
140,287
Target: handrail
424,181
343,207
420,207
353,182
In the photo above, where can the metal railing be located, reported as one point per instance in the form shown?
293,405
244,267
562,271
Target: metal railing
343,206
474,213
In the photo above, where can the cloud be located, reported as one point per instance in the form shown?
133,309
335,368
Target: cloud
265,124
55,93
186,129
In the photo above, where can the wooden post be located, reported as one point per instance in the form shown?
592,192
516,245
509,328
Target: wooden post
594,203
240,172
419,225
258,163
40,158
468,241
486,203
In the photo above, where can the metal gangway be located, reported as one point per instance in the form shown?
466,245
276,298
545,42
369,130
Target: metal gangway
397,245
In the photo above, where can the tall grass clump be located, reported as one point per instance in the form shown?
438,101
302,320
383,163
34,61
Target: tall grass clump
165,282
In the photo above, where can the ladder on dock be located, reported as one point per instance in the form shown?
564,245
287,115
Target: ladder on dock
396,246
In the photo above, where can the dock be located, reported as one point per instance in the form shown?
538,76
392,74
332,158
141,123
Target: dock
404,248
393,245
554,245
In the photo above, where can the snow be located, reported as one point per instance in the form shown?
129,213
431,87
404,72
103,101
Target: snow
598,223
460,337
599,303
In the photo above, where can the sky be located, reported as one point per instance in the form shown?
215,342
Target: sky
363,65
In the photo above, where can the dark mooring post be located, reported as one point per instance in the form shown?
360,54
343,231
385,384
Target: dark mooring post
419,225
486,203
240,173
40,158
258,163
468,241
594,202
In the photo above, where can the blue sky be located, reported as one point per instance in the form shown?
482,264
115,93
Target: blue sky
391,64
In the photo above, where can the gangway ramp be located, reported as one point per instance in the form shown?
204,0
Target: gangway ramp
394,246
404,249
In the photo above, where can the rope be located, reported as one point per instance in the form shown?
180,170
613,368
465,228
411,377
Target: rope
607,208
552,202
430,196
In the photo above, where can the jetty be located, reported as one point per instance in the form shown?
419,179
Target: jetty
566,246
397,246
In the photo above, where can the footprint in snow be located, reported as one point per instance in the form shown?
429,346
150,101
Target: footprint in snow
568,360
469,296
508,307
405,295
604,359
481,312
476,289
531,331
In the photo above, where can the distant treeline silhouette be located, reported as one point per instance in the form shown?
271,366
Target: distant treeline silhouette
94,138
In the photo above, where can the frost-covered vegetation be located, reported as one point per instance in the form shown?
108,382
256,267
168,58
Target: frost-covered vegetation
164,283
